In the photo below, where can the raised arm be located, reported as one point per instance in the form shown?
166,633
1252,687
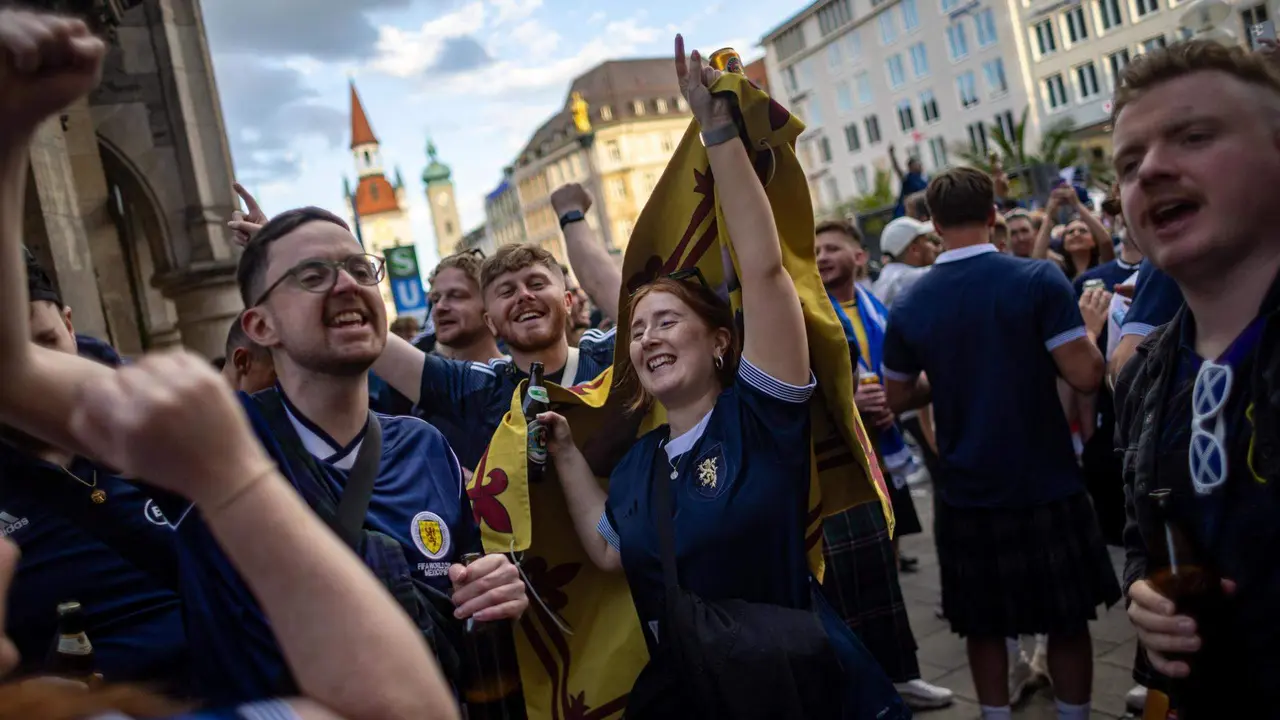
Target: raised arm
583,494
600,276
1040,250
893,162
775,339
350,647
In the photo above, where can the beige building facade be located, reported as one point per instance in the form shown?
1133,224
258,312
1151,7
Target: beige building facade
129,191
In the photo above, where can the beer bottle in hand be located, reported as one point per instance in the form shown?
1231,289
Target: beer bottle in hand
536,401
491,688
71,655
1182,574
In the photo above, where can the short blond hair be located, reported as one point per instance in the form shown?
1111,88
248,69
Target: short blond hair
512,258
468,262
1192,56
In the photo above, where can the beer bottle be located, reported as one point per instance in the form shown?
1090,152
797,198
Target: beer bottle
491,688
536,401
71,655
1182,574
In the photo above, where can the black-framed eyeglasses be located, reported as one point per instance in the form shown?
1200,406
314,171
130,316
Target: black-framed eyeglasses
319,276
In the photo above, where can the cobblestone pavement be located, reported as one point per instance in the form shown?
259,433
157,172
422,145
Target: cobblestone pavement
942,654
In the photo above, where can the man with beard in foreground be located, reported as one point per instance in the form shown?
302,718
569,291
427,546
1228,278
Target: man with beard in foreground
526,305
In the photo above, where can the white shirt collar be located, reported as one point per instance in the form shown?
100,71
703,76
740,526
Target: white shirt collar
683,444
965,253
321,448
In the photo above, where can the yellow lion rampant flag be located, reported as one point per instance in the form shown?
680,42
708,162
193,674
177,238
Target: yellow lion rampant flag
580,646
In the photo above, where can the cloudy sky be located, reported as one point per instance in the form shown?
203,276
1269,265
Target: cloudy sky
478,76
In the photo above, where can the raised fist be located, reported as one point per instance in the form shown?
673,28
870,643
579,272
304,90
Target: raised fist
569,197
47,62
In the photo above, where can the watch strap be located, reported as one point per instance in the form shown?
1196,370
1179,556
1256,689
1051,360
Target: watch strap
720,135
572,216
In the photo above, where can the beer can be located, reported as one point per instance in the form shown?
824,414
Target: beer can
728,60
1093,283
869,379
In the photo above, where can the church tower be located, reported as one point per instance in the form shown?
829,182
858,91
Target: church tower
377,209
444,209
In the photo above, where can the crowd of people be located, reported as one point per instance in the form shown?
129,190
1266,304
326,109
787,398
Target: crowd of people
289,534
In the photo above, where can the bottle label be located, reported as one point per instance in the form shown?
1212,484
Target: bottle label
539,393
75,645
537,445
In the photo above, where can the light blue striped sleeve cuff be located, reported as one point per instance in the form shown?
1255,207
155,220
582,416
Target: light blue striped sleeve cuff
1136,328
773,387
268,710
1063,338
605,528
886,372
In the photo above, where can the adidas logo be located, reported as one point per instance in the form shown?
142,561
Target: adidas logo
10,524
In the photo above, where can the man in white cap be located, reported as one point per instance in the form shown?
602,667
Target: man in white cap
909,250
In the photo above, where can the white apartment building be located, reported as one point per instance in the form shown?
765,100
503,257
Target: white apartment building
1076,50
922,75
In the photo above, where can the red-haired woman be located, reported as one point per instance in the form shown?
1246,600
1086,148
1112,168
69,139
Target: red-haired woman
731,469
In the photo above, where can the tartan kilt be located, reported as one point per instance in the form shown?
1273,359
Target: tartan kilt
1024,571
861,583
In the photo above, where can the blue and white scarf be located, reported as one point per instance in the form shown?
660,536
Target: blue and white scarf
897,456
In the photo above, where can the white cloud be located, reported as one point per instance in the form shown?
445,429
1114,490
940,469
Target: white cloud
514,10
537,40
405,53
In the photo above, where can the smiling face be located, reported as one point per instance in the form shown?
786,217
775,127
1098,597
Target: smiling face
339,332
1077,238
673,349
1193,174
839,258
456,308
528,307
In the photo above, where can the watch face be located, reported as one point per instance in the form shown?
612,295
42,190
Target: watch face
442,200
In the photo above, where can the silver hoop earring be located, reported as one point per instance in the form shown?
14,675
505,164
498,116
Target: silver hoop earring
719,362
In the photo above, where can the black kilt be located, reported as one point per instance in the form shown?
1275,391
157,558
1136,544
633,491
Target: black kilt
906,521
1024,571
861,583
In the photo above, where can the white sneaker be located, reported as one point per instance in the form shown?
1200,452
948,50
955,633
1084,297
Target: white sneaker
1136,699
1020,676
920,695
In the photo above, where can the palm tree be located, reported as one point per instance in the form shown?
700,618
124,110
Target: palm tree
1057,148
882,194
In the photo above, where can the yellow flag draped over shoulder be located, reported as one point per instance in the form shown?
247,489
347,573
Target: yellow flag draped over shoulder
683,227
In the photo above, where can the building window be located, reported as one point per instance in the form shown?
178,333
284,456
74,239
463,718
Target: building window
1004,121
985,25
957,42
1045,39
831,191
978,138
949,5
614,150
1251,16
1154,43
844,98
1118,61
805,70
606,113
873,130
1143,8
919,60
906,119
813,113
967,84
863,82
1055,91
1109,14
637,107
860,180
910,18
897,76
929,106
833,15
851,137
789,42
681,104
1087,79
833,56
667,145
618,188
1077,31
997,83
853,45
660,105
789,79
938,150
888,32
824,148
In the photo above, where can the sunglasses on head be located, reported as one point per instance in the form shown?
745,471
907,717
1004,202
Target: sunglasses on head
683,276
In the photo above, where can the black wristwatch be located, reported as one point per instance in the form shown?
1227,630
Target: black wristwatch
572,216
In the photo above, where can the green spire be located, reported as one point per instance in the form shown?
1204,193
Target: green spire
346,186
399,178
436,172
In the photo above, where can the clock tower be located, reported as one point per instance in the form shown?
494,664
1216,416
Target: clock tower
444,209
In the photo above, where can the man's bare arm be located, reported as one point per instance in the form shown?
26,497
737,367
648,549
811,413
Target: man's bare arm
595,269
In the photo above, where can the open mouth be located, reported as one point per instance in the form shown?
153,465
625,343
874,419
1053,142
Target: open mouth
348,319
1169,214
660,361
529,316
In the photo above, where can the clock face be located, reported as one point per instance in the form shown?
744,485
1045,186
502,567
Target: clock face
442,200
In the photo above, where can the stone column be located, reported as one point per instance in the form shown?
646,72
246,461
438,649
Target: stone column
68,244
207,301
